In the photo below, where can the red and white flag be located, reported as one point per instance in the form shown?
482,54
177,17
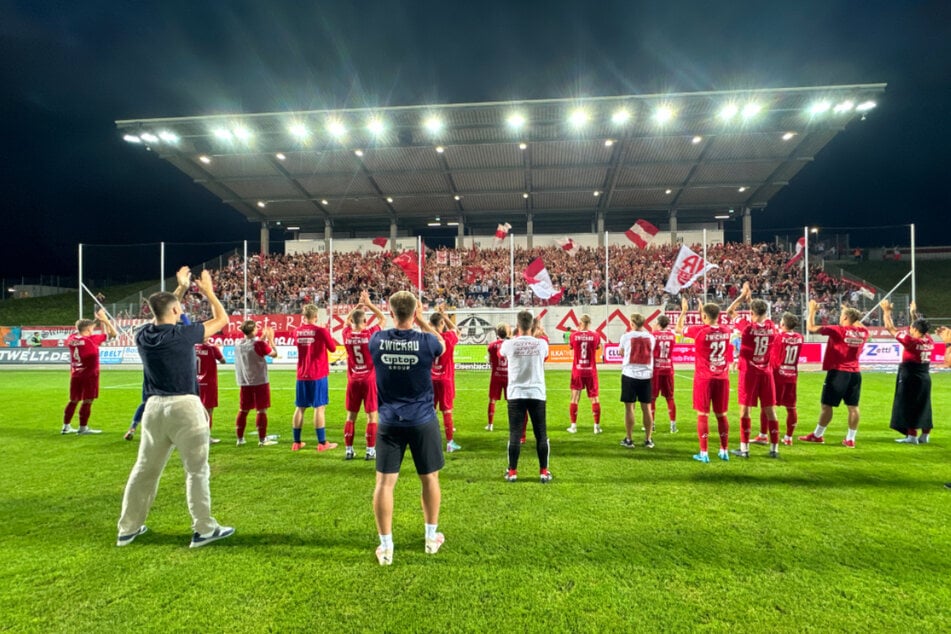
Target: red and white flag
567,244
408,261
641,233
687,268
800,249
502,231
380,242
536,275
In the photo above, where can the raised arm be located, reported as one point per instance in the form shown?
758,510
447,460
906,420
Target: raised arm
744,296
887,317
682,317
913,311
450,325
268,333
944,333
423,325
811,319
219,318
183,278
365,300
106,324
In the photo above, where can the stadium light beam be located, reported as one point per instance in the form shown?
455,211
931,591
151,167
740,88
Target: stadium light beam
148,137
280,156
819,107
697,139
433,125
336,129
516,121
865,106
358,152
168,137
204,159
523,146
578,118
751,109
298,131
376,126
323,201
131,138
728,111
242,133
620,116
262,204
221,134
663,114
788,136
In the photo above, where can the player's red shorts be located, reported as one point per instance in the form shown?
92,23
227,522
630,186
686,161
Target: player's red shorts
662,384
715,392
589,383
785,391
756,388
444,393
255,397
84,387
497,388
208,393
362,392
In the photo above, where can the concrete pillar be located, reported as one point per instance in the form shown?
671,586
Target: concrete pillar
461,234
747,226
599,228
529,228
328,234
393,234
265,239
672,219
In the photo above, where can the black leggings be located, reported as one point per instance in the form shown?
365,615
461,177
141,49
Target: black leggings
536,412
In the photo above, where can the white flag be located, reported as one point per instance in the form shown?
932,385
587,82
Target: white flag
536,275
687,268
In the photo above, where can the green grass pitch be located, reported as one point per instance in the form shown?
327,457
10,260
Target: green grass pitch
825,539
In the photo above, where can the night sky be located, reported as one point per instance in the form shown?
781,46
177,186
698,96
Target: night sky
70,69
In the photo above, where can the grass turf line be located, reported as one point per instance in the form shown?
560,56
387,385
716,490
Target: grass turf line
825,539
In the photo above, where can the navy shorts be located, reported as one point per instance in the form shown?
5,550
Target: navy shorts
312,393
424,442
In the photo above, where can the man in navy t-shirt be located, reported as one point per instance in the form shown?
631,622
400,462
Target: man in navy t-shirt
403,358
174,417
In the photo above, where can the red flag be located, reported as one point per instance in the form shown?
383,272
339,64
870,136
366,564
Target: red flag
567,244
474,274
800,247
536,276
408,261
641,232
502,231
380,242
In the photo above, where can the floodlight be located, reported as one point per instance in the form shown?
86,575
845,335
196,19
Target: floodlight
440,149
578,117
721,217
597,193
376,126
433,124
149,137
845,106
433,224
865,106
204,159
452,224
663,114
620,116
242,133
336,129
523,146
389,199
358,152
751,110
280,156
608,142
516,120
323,201
728,111
788,136
457,197
131,138
819,107
668,191
299,130
741,189
222,134
262,204
292,228
696,139
525,195
168,137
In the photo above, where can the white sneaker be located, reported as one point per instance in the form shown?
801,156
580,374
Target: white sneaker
214,441
488,427
924,439
597,429
125,540
371,454
384,556
673,427
219,533
452,446
86,431
267,442
433,545
573,429
908,440
241,441
68,429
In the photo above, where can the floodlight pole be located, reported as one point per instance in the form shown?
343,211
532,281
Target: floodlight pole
607,285
80,287
511,271
704,265
805,255
245,279
162,266
914,281
419,265
330,291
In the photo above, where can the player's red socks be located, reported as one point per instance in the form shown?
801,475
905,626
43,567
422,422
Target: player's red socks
671,409
774,432
792,417
703,430
573,413
723,428
491,412
596,412
348,429
763,423
447,425
371,435
260,421
84,411
745,425
240,423
69,411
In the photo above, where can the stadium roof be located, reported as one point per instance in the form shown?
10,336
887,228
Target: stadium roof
563,161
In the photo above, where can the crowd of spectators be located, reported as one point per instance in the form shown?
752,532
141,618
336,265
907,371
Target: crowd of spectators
481,278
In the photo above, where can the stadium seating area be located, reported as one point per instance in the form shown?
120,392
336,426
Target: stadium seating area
480,278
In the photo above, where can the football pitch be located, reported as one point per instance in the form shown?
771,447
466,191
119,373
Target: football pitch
824,539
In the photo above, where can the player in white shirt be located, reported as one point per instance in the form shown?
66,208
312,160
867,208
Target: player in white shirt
526,356
637,354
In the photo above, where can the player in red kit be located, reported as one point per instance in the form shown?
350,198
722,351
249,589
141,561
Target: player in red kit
250,373
498,371
711,381
313,342
444,374
841,363
584,372
911,408
784,362
662,382
83,348
209,356
755,384
361,379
